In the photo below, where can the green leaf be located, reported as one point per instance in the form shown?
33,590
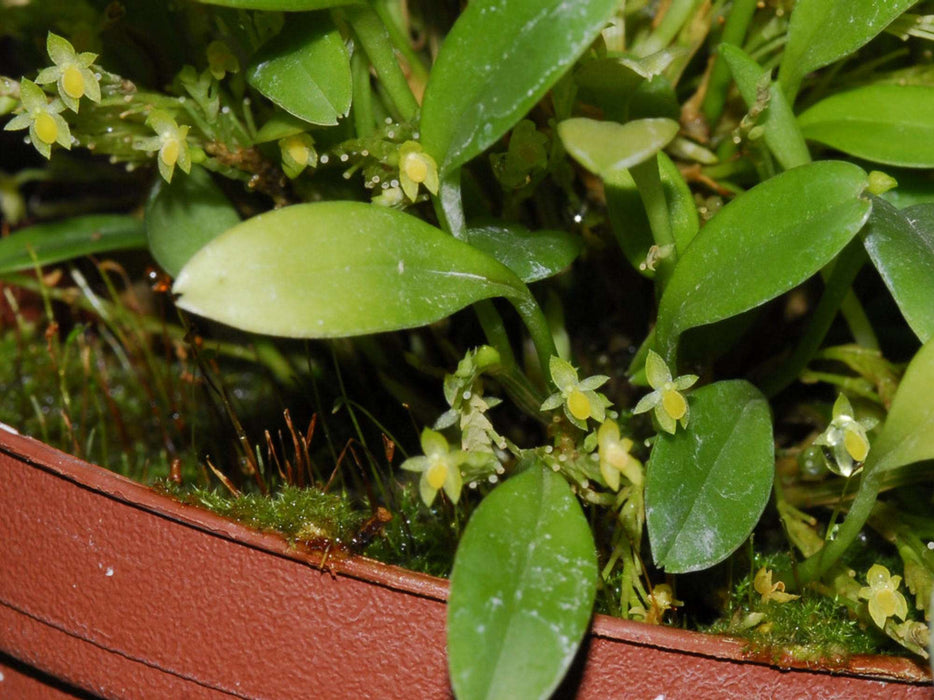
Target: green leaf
782,134
613,83
532,255
280,125
906,436
707,486
305,70
46,244
630,222
283,5
889,124
333,269
183,216
762,244
498,60
901,245
822,31
607,148
522,589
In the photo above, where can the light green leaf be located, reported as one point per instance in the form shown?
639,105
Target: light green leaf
822,31
49,243
630,222
280,125
707,486
612,83
498,60
762,244
283,5
305,70
889,124
334,269
901,245
532,255
906,437
183,216
522,589
782,134
607,148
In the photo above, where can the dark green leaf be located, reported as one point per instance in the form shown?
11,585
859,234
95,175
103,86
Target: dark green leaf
762,244
305,70
901,245
782,134
707,486
498,60
613,84
284,5
46,244
532,255
822,31
914,187
906,436
889,124
608,148
335,269
183,216
522,589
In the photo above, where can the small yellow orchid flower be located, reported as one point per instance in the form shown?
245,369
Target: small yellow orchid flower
578,397
615,458
171,143
844,443
221,60
671,407
771,591
440,467
72,72
882,593
416,168
42,118
298,152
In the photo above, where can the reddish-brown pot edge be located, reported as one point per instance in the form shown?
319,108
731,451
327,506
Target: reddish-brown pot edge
112,588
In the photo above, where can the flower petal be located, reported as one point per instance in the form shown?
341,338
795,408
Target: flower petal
60,49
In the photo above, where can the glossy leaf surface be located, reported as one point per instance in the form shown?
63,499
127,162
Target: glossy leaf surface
305,70
49,243
522,589
762,244
334,269
906,436
498,60
532,255
707,485
782,134
901,245
822,31
607,148
183,216
889,124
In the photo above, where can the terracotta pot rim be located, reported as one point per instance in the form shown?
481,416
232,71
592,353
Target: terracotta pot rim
93,478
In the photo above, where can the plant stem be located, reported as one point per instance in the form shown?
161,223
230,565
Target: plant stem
858,322
374,38
837,287
363,117
399,39
678,12
720,77
649,183
538,328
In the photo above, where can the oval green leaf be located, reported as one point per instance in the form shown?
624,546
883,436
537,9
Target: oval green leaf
183,216
762,244
707,486
607,148
333,269
498,60
822,31
906,436
50,243
782,134
889,124
305,69
522,589
901,246
532,255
